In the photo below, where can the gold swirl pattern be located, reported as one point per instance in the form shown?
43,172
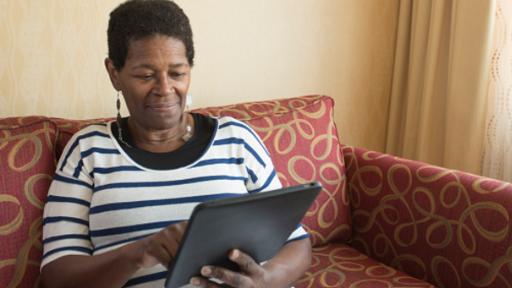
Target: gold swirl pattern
28,148
29,189
477,185
380,271
363,173
17,220
301,137
423,173
5,134
329,139
436,263
428,221
339,265
11,158
294,168
23,254
371,283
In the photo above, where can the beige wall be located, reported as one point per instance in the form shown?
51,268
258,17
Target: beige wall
53,51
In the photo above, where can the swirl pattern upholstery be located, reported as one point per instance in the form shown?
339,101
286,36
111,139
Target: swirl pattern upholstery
449,228
380,221
340,265
27,163
301,137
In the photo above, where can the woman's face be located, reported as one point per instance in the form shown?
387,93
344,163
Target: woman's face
154,81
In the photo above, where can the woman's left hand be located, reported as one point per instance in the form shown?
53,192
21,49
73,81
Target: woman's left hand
252,275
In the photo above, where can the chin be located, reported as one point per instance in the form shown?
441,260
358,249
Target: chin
164,122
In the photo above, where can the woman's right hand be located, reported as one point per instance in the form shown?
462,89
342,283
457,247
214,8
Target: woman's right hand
115,267
160,247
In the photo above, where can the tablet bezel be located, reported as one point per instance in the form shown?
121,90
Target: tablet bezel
303,195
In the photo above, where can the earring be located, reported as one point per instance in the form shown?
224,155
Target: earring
188,128
188,102
119,129
118,106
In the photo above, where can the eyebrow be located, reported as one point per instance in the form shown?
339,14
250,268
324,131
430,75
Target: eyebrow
149,66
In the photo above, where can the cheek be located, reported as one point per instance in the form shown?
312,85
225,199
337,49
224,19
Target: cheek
134,96
136,89
183,85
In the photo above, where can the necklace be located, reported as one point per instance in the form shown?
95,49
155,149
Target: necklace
185,137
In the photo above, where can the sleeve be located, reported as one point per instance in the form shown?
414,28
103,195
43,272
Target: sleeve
262,174
66,212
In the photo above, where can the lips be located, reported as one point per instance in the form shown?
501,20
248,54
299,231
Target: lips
163,106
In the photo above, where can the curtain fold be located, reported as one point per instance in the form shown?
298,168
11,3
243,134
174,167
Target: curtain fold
438,104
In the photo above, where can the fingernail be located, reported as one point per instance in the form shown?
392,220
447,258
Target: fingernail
195,281
234,254
206,271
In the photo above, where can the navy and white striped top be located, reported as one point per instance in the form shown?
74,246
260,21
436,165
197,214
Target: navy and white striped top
100,199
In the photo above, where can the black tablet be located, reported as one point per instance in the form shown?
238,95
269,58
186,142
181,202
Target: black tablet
258,224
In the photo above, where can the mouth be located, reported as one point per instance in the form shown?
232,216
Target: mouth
163,106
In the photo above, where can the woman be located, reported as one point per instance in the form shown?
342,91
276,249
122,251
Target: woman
117,207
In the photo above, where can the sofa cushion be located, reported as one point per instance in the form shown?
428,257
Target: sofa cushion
301,137
27,163
339,265
12,122
66,127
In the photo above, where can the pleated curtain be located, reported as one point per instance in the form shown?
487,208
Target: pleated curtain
438,102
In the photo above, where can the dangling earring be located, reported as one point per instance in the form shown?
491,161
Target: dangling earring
119,119
188,102
118,106
188,128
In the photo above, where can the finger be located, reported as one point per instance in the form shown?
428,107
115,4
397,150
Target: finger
176,231
199,282
158,251
170,242
246,262
227,276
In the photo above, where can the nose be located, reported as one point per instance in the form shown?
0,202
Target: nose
164,85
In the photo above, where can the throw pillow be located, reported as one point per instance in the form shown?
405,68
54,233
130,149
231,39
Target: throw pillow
302,139
27,164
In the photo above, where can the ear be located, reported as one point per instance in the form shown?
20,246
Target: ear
113,73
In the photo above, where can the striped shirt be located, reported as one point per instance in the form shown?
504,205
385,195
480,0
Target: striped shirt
100,199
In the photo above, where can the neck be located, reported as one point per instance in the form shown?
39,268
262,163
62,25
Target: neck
161,141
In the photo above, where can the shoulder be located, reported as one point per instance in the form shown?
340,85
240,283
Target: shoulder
94,135
234,126
92,130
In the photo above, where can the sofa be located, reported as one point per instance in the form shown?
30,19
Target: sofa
380,220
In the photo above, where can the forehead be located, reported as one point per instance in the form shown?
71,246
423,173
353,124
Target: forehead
156,50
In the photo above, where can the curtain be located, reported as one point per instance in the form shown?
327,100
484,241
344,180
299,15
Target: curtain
440,81
497,160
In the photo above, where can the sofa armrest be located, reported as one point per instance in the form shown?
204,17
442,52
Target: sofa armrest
447,227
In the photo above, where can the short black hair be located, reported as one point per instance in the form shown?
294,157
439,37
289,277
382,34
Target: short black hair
137,19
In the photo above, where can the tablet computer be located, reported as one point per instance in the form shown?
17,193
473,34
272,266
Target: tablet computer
258,224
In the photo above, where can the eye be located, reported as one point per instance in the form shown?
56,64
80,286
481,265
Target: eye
145,77
178,75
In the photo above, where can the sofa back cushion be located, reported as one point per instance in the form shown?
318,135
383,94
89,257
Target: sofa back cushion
302,139
65,127
27,163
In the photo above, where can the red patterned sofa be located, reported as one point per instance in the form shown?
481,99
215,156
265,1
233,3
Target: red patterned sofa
380,221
